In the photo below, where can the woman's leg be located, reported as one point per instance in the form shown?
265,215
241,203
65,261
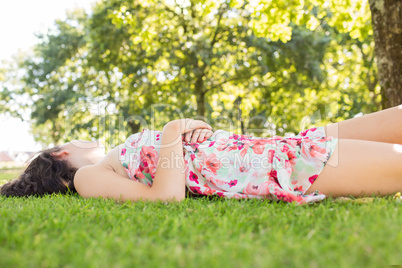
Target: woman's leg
359,168
382,126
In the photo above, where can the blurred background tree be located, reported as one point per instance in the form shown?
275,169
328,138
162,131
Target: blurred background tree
253,67
387,24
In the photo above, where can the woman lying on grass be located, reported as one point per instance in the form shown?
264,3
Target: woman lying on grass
358,157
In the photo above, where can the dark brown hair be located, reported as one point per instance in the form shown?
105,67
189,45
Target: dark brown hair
45,174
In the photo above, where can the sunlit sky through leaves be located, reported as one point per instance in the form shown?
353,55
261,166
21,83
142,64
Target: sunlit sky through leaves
19,21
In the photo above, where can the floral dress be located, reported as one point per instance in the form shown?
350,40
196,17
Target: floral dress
239,166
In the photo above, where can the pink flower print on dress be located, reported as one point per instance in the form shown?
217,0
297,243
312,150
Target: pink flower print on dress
212,178
208,191
138,137
313,178
286,197
201,156
212,163
293,142
271,154
259,145
292,157
289,197
244,168
239,137
244,137
139,175
123,152
231,147
257,189
144,167
323,139
304,133
149,153
220,194
239,196
195,189
285,148
244,151
240,145
274,175
222,145
134,143
318,152
195,145
193,177
150,158
232,183
234,136
299,189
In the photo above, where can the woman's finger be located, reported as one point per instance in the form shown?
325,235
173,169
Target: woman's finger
188,136
202,135
196,134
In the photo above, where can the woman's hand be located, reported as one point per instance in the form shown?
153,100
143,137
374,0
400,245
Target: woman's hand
199,135
191,129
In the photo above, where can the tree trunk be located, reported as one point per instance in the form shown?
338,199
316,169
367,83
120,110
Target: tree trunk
200,95
386,18
238,104
134,127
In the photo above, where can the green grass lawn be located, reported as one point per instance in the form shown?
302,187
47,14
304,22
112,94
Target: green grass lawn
8,174
70,231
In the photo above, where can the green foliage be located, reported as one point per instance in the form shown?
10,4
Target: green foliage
270,65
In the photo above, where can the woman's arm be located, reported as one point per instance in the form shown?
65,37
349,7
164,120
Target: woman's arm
169,181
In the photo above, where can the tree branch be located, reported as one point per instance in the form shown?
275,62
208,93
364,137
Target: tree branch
217,25
235,78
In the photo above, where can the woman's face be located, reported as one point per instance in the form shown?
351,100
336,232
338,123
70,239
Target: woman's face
82,153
